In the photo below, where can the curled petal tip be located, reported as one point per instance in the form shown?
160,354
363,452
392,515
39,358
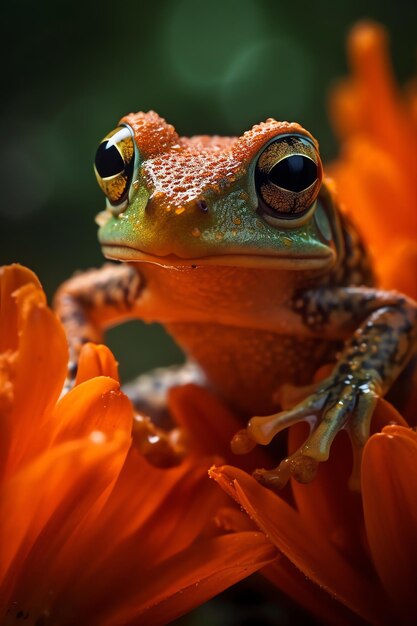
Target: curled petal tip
96,360
219,473
367,34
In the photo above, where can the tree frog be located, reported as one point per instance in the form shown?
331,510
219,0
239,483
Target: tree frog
238,247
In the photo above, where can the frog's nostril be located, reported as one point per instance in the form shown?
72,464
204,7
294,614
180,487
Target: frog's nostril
202,205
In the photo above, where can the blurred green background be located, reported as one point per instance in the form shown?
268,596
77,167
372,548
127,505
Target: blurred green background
72,69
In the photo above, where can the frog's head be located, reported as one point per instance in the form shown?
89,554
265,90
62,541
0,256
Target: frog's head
253,201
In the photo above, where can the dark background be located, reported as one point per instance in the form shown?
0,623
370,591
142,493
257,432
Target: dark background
70,70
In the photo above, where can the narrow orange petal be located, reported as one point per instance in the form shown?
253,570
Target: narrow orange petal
308,550
182,516
40,370
155,512
154,488
96,360
97,404
12,277
328,504
175,522
327,501
377,169
230,518
291,581
369,183
42,505
345,108
188,579
389,486
369,57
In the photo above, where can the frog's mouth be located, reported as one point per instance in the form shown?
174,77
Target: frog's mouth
323,260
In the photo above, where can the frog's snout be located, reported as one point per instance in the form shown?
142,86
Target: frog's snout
158,208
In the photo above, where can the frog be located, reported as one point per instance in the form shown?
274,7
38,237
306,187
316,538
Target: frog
239,248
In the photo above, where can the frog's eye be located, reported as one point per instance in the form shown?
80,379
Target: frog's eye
114,162
288,175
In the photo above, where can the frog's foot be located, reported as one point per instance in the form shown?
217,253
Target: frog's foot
338,402
149,392
289,395
161,448
155,433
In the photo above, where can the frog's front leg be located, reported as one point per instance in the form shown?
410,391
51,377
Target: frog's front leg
91,301
381,346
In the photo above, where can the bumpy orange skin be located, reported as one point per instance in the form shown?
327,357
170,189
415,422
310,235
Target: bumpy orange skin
182,169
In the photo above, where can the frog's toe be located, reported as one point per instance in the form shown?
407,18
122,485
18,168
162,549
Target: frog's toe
262,429
302,468
358,429
242,442
327,411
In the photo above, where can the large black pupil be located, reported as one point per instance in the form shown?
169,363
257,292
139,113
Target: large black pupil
294,173
108,160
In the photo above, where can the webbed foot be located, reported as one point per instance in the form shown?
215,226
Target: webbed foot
155,433
339,401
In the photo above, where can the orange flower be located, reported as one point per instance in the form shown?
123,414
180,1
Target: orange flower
91,533
377,171
350,558
346,559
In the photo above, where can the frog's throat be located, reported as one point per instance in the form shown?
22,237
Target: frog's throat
254,260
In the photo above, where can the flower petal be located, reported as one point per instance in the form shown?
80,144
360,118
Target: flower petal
153,524
210,425
12,277
41,506
96,404
396,269
307,549
150,513
389,485
96,360
328,504
369,57
377,169
369,184
188,579
291,581
208,422
40,367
